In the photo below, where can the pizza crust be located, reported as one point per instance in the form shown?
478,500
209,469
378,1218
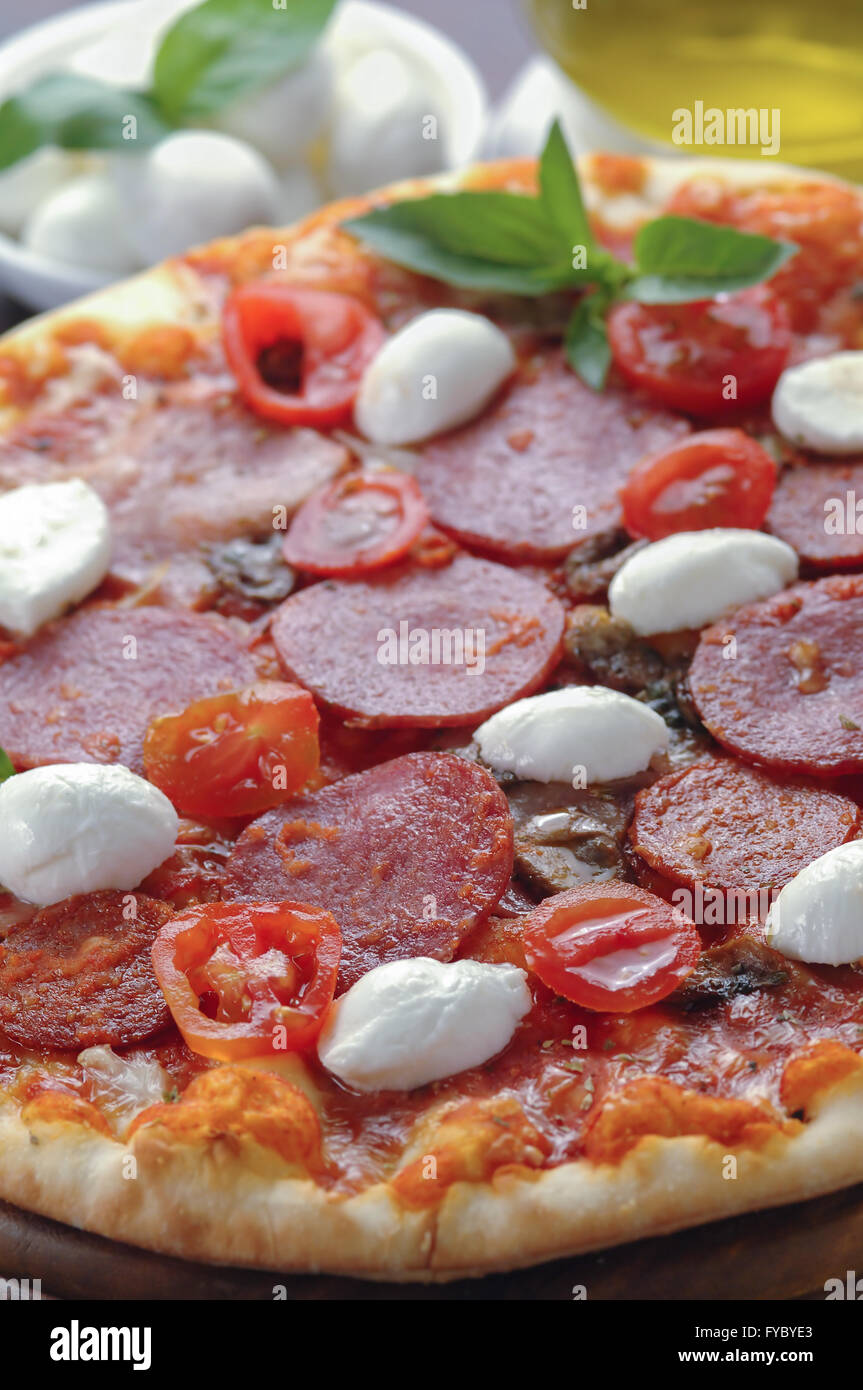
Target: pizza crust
232,1205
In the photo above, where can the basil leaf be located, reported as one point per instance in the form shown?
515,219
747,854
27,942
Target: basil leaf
586,342
6,768
560,191
680,259
225,48
77,113
482,241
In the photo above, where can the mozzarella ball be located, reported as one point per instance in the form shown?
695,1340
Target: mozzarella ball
819,405
284,118
818,916
437,372
192,187
380,132
55,548
413,1021
83,224
547,738
694,577
81,828
23,186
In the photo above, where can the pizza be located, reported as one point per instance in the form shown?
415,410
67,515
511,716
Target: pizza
432,699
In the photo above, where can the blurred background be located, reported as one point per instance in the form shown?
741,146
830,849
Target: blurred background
382,91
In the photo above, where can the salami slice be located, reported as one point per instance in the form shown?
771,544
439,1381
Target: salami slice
408,857
421,648
729,826
781,682
815,510
541,470
86,688
79,974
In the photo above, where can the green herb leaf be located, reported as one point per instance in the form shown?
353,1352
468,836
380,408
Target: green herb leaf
560,192
483,241
6,768
223,49
586,341
77,113
679,259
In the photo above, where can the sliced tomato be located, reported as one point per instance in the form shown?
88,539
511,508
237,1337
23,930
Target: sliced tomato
246,979
706,359
715,478
612,947
298,354
235,754
359,523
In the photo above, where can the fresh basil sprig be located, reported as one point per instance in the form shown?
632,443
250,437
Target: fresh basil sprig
6,768
515,244
213,54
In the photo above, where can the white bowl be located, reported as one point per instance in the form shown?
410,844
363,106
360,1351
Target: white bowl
43,283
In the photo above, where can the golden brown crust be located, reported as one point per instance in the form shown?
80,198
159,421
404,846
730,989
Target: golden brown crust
195,1181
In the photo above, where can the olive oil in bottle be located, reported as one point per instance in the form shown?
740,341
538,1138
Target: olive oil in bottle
785,76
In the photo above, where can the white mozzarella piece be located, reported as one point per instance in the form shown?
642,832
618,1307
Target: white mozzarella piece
83,223
23,186
124,1086
55,548
192,187
818,916
81,828
283,119
437,372
551,737
819,405
386,125
414,1021
692,578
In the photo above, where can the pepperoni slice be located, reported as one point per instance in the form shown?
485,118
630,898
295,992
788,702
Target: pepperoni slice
86,688
541,470
781,682
79,974
818,509
407,857
729,826
423,648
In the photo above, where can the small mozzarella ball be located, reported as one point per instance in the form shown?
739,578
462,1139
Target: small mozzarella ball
413,1021
81,828
550,737
55,548
192,187
819,405
300,194
437,372
124,1085
23,186
381,131
694,577
818,916
284,118
83,224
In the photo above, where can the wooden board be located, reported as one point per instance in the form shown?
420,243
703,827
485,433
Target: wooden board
784,1253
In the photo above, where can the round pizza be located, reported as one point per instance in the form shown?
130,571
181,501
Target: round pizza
431,687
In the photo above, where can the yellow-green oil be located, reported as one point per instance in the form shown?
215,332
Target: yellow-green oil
645,60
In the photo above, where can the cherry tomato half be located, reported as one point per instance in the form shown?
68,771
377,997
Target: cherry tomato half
358,523
688,355
245,979
612,947
715,478
235,754
298,354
